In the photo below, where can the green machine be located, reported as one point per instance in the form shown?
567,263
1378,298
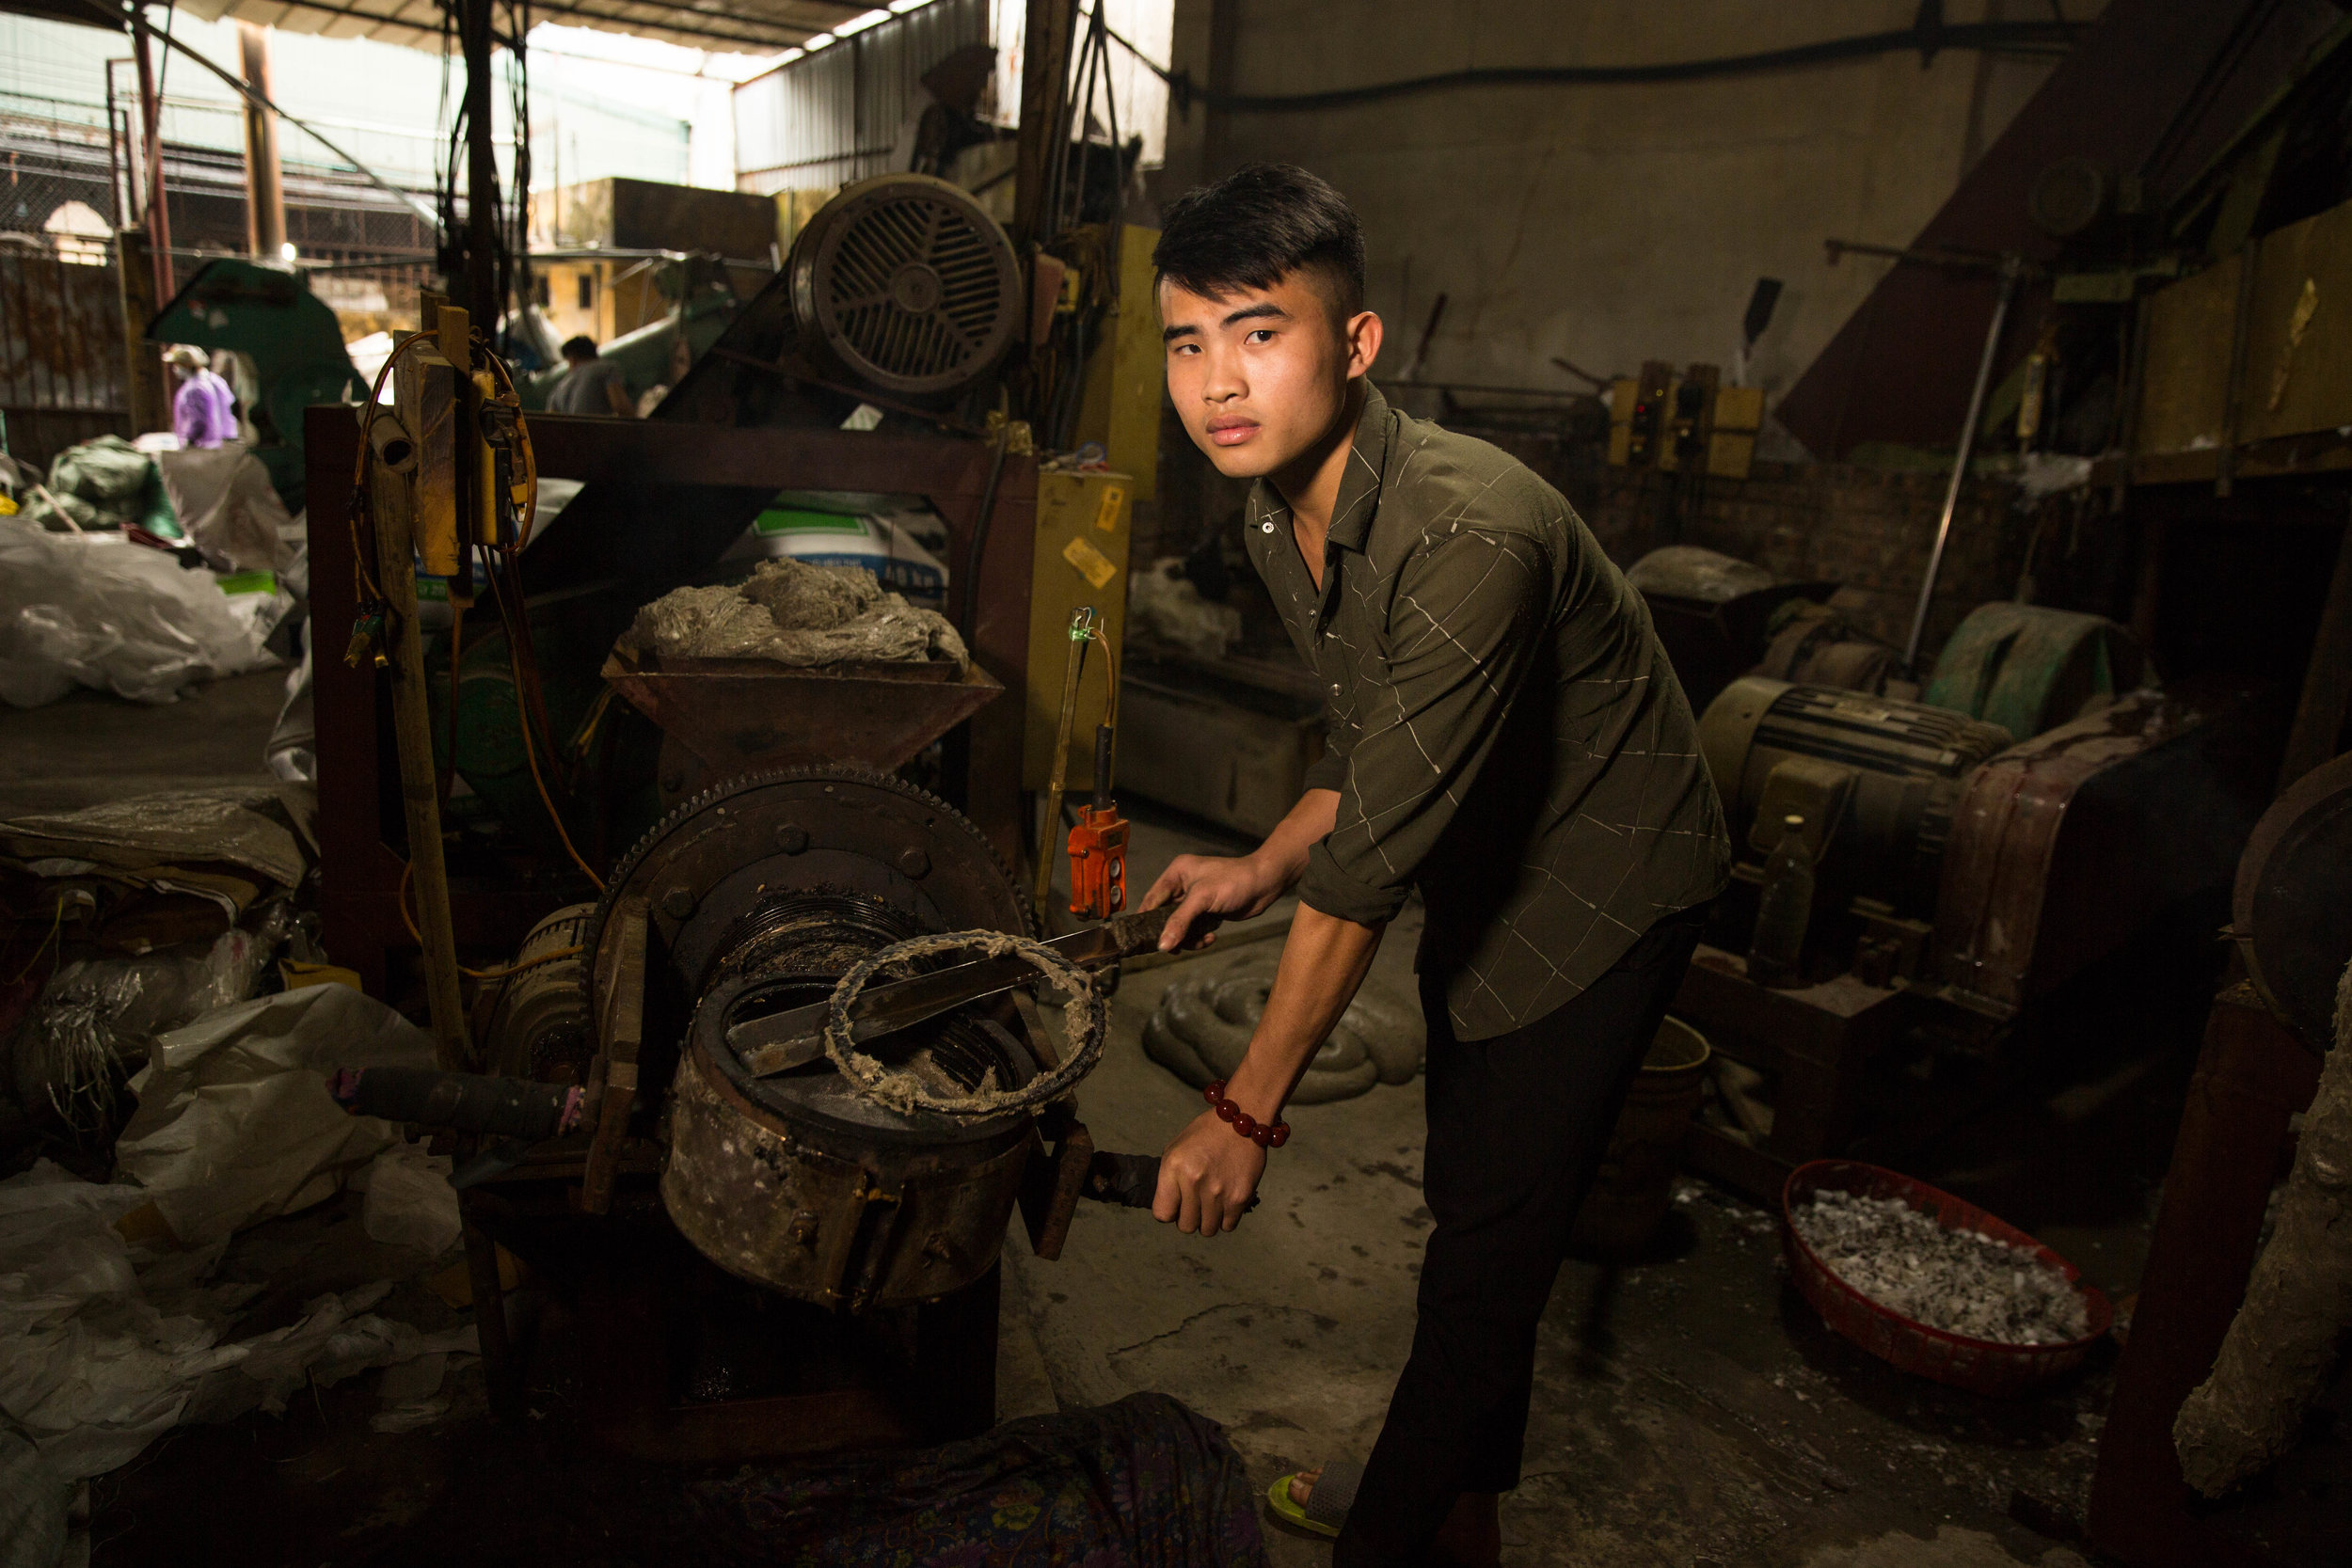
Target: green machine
269,315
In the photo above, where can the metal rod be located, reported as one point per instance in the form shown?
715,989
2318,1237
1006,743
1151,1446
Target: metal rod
1081,633
2010,268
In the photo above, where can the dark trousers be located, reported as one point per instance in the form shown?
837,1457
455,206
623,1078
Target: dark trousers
1517,1126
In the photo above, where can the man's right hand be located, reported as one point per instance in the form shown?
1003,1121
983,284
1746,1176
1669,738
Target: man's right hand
1207,889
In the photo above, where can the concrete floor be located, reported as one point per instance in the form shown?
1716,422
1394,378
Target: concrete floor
1690,1410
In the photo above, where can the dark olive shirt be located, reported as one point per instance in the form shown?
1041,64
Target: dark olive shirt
1505,732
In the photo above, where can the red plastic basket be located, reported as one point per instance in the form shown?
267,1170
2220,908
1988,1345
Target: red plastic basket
1981,1366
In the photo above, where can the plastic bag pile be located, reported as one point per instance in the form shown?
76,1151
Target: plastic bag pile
96,609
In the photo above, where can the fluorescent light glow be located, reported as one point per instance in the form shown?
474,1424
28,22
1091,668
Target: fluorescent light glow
859,24
901,8
815,41
790,55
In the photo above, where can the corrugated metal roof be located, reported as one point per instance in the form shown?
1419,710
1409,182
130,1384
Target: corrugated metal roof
750,27
832,117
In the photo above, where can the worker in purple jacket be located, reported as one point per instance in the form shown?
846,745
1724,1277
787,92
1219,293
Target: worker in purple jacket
204,410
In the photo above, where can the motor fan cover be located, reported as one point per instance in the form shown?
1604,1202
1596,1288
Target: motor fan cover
907,284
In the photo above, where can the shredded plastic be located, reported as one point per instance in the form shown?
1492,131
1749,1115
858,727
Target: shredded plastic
1960,1281
792,613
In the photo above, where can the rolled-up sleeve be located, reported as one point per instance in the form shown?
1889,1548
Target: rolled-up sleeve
1329,770
1470,608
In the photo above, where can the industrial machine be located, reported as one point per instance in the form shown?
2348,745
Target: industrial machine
904,284
1960,877
661,862
1715,612
664,1103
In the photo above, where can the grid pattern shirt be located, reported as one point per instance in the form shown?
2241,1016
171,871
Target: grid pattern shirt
1505,731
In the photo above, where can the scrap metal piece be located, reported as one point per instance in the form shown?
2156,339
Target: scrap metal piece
779,1042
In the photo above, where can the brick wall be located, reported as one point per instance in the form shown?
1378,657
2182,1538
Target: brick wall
1867,529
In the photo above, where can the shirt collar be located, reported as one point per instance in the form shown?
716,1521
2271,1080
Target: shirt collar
1359,482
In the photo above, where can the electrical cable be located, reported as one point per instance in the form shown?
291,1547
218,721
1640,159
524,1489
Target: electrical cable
57,924
974,551
408,918
1993,36
531,751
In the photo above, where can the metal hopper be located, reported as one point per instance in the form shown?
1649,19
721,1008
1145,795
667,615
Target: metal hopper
734,714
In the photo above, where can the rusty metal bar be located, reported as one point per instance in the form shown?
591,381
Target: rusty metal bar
2012,269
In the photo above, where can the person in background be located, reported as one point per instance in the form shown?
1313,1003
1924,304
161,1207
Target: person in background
591,386
204,410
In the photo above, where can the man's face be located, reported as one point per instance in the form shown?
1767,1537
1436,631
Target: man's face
1260,377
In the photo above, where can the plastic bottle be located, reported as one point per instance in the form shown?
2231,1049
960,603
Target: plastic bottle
1776,956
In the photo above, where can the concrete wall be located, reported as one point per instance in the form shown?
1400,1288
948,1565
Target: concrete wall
1606,225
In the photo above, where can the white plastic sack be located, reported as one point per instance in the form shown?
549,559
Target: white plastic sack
227,507
89,1368
98,1356
34,1500
95,609
410,1202
235,1122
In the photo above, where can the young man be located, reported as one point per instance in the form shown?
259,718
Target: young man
1505,736
591,386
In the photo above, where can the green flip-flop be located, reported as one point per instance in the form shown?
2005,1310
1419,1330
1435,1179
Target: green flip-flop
1325,1508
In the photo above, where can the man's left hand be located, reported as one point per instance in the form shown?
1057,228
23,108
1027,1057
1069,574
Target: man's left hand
1207,1177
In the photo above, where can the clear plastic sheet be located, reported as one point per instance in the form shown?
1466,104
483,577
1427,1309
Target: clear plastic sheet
103,1347
95,609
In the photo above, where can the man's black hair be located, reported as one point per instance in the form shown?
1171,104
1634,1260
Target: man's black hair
579,348
1257,226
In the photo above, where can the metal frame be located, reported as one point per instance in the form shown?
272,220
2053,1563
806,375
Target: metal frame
358,804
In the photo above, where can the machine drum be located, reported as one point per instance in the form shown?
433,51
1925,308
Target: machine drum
1875,778
907,284
758,895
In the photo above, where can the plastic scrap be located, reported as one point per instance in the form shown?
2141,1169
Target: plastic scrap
795,614
104,482
1163,606
34,1500
235,1122
410,1202
168,827
227,507
103,1347
95,609
97,1013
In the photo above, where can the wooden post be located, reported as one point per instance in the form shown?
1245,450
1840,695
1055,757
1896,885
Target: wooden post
482,171
427,382
151,138
265,185
1045,110
145,397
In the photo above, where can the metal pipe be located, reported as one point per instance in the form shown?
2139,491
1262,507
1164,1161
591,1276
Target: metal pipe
2011,267
265,182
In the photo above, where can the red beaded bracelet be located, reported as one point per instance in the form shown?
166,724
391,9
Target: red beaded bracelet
1264,1134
